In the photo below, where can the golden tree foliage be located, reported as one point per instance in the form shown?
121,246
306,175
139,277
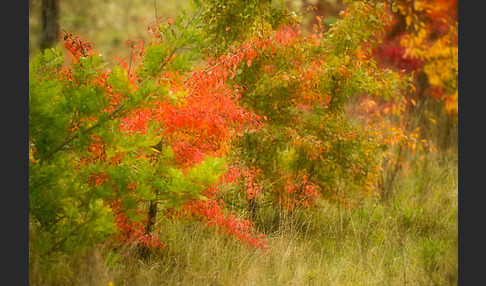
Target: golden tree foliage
433,38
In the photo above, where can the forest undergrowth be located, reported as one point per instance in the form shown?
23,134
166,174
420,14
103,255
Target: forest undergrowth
411,238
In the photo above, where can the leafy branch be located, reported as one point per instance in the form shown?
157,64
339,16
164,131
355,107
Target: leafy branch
67,141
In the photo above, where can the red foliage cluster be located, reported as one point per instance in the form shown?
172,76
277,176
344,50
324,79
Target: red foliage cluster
298,193
154,28
212,211
391,54
219,70
253,189
248,175
131,232
77,46
199,123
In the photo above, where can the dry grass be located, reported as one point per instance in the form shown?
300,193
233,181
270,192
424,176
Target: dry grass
409,239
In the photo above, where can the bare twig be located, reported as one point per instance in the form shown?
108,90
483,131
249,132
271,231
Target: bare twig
182,34
155,8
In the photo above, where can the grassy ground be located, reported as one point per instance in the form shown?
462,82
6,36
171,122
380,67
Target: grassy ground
411,238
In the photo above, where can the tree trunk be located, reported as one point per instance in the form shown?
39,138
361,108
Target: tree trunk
152,216
143,250
50,24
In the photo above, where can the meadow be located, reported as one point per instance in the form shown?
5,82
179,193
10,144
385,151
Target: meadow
411,238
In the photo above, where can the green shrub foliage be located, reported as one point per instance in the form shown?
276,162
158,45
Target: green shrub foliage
230,99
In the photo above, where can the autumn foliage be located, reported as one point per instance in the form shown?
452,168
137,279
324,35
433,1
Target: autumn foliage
423,37
181,123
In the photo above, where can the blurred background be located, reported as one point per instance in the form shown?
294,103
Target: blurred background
105,23
109,23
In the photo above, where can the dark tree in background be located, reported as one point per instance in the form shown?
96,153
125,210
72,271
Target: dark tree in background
50,24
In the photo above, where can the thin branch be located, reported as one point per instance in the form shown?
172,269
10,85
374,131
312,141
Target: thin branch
53,151
155,8
223,61
182,34
59,244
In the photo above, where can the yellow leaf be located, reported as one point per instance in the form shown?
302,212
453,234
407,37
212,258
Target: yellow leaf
155,150
408,20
